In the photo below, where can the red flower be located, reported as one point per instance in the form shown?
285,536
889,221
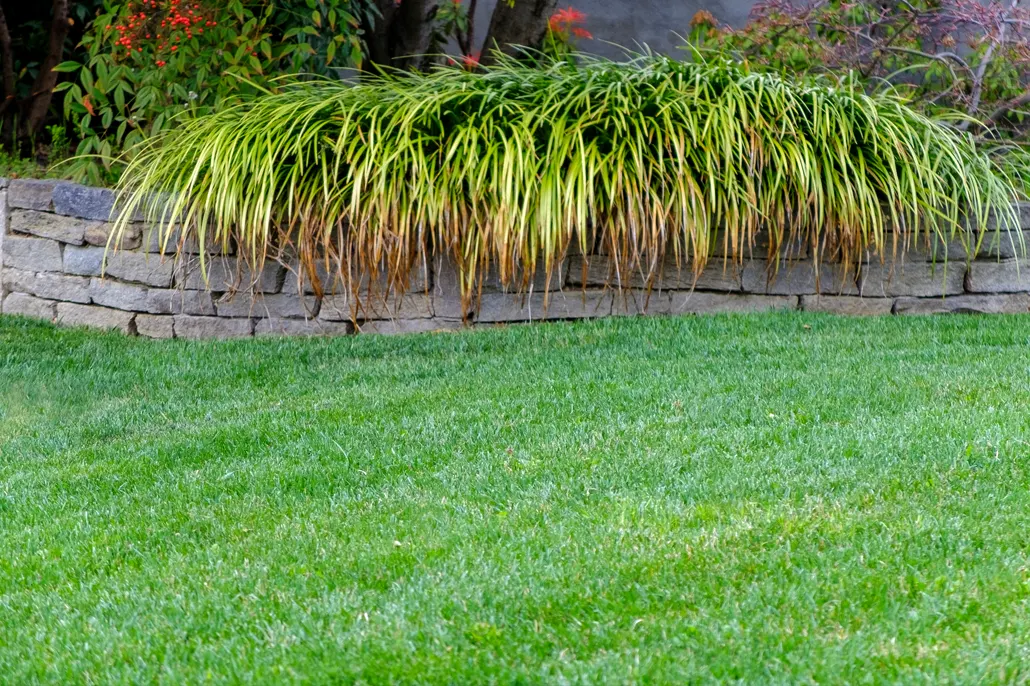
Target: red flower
563,19
568,21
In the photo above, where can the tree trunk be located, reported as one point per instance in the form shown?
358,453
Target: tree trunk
7,108
38,102
377,34
7,56
523,23
466,38
402,35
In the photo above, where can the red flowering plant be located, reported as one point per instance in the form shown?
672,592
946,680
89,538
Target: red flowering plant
453,21
151,62
564,29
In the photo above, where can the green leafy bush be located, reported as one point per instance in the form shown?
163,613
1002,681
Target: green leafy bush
946,56
16,167
151,63
517,166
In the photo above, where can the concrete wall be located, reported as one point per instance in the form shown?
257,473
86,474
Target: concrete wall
52,250
660,25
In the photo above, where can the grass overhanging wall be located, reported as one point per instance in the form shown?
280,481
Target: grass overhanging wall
517,166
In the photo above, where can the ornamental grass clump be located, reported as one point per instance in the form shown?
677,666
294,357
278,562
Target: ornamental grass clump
651,161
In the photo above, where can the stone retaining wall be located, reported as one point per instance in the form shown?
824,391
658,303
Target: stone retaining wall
53,237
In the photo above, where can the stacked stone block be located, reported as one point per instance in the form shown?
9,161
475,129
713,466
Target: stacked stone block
56,264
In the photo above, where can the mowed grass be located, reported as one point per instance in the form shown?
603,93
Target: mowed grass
774,498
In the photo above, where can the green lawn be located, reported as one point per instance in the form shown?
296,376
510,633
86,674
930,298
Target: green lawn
771,498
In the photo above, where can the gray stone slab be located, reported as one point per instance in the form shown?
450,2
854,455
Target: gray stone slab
278,305
958,248
99,233
3,231
32,194
178,301
32,254
718,275
411,306
62,287
702,303
301,327
406,326
155,240
505,307
927,248
447,303
599,271
155,325
125,265
1005,303
637,302
122,296
84,261
73,200
72,314
632,302
914,279
761,246
50,285
229,274
520,281
327,276
18,281
1008,276
1005,245
337,308
799,278
1021,214
940,249
343,308
52,226
189,326
846,305
152,270
29,306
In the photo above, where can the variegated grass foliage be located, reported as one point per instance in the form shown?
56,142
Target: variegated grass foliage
653,160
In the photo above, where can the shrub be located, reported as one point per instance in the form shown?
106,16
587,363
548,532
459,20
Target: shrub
152,61
961,56
517,166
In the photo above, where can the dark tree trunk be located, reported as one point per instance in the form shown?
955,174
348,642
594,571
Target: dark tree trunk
465,40
377,34
402,35
7,108
38,102
7,56
523,23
